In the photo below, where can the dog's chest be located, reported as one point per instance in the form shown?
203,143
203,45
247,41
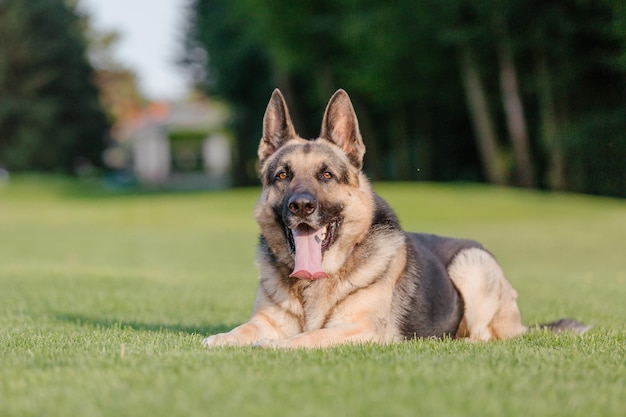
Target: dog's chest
318,301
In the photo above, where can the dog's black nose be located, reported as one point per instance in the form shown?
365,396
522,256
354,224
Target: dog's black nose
302,204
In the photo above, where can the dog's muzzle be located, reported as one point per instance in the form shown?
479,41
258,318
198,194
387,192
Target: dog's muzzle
307,239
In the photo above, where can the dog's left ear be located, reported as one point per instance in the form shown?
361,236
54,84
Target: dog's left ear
341,127
277,126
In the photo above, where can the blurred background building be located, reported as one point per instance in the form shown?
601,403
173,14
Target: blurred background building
178,145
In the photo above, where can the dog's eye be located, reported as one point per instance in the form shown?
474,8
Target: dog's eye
327,175
281,175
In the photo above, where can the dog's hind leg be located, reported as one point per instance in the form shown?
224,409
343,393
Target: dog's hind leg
491,310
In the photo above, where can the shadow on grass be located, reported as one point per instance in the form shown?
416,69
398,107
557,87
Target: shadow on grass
108,323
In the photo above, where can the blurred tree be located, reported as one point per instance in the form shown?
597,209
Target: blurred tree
310,48
117,85
513,106
492,157
579,80
393,61
544,82
481,33
50,116
236,69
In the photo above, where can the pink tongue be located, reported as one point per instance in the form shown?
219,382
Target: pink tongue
308,253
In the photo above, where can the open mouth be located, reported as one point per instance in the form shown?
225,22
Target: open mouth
308,246
325,235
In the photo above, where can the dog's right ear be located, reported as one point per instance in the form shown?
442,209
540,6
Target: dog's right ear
277,126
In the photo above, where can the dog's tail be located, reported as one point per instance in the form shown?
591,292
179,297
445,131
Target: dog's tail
564,325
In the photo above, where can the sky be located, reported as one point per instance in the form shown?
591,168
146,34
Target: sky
150,42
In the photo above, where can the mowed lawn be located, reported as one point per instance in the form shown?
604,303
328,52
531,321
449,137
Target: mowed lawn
105,299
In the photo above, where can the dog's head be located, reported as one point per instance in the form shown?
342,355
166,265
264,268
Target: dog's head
316,203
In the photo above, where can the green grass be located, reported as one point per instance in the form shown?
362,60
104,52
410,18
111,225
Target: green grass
105,298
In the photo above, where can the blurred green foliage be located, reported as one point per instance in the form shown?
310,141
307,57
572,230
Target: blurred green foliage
404,63
50,114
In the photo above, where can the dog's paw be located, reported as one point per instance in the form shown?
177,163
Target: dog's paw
260,344
222,339
267,343
277,344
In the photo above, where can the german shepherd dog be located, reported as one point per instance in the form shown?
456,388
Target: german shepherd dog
335,266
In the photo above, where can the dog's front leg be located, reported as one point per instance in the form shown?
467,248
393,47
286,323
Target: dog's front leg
348,334
264,324
246,334
260,327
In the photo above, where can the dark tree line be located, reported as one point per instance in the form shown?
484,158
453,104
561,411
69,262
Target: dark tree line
520,92
50,114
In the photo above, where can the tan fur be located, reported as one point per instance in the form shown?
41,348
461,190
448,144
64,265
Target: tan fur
326,312
357,303
491,310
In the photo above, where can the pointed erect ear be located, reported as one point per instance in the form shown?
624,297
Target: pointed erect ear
341,127
277,126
